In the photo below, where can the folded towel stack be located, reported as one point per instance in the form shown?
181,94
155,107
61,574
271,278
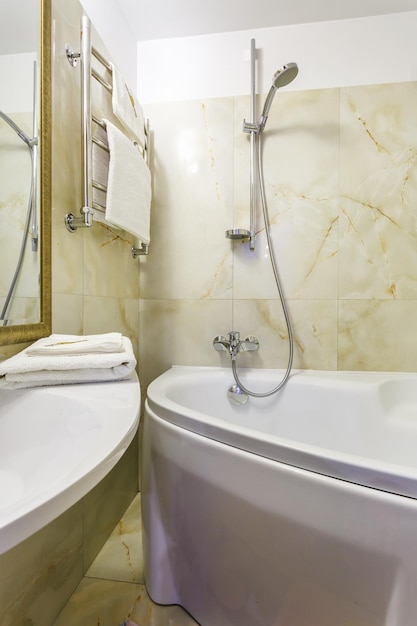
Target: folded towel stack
69,359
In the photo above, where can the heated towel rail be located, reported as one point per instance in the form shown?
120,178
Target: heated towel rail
90,205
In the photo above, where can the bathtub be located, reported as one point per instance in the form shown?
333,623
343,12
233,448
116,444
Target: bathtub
293,510
56,444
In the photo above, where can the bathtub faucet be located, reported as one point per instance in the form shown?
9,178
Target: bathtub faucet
233,345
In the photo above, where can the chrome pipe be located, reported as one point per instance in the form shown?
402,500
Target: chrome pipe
86,109
34,229
86,218
252,182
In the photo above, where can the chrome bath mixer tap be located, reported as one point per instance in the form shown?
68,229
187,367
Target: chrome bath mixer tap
233,345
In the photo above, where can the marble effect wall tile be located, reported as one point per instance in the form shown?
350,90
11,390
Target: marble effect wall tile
340,174
314,328
109,603
300,157
110,269
39,574
378,335
67,313
179,332
378,231
104,505
121,557
193,201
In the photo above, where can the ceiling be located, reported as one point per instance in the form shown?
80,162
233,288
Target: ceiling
161,19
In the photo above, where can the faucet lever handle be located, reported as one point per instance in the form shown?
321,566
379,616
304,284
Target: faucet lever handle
250,343
220,343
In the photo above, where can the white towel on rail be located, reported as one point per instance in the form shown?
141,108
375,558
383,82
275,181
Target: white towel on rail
100,168
129,194
23,370
127,110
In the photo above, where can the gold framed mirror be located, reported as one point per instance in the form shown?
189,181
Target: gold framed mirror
24,333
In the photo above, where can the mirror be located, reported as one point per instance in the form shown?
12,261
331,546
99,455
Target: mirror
35,33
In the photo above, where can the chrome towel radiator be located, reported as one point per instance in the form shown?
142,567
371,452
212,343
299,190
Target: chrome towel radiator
91,205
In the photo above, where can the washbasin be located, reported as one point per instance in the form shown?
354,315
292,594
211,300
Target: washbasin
56,444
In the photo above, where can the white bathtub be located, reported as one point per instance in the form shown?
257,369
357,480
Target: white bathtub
57,443
294,510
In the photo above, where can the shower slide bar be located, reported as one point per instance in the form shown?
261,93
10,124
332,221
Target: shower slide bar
250,127
85,220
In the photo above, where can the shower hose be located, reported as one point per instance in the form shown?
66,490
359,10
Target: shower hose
279,287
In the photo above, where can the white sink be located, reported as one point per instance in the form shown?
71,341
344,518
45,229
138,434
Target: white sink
57,443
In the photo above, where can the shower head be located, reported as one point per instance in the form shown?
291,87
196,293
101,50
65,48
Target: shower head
282,77
285,75
16,129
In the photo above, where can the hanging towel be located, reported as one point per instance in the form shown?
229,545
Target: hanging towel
100,168
25,370
127,110
128,201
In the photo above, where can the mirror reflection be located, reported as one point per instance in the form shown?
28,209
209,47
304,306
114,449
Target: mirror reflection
22,210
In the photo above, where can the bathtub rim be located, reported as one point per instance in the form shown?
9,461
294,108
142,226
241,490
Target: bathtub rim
376,474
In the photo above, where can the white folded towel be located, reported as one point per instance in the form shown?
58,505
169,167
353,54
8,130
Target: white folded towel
25,370
128,203
127,110
76,344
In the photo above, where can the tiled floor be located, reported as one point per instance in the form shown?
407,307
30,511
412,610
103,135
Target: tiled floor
113,589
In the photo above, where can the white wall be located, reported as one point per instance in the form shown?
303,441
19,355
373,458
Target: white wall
17,95
340,53
110,24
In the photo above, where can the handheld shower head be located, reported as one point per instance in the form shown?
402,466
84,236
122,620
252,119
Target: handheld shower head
285,75
282,77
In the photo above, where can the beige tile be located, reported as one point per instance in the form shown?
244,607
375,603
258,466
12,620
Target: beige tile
121,556
300,155
179,332
109,603
109,268
378,252
103,602
67,260
105,504
378,335
67,313
192,207
108,314
39,574
314,327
